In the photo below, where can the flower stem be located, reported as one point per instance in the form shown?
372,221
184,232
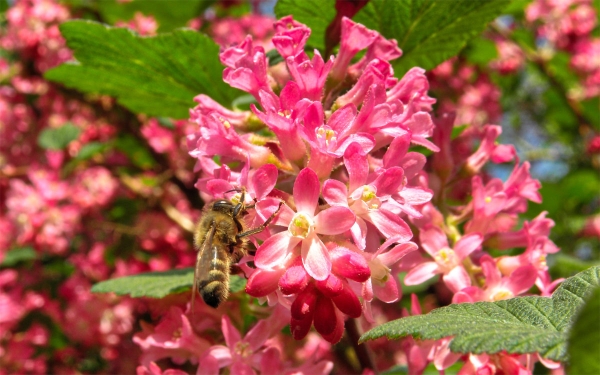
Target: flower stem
362,351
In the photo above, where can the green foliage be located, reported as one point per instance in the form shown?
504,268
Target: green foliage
158,76
169,14
151,284
18,255
517,325
135,150
58,138
428,32
316,14
158,284
91,149
584,341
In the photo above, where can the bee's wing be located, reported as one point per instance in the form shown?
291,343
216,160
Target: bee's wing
208,240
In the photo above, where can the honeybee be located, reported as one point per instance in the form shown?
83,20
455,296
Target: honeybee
221,241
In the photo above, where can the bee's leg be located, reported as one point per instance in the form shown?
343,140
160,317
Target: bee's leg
240,207
262,227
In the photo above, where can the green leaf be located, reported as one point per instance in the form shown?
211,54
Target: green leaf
90,149
517,325
158,284
584,341
15,256
139,155
151,284
236,283
169,14
428,32
158,76
58,138
3,6
316,14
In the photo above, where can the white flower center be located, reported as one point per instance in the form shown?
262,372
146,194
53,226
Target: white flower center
379,272
242,349
300,225
447,259
326,136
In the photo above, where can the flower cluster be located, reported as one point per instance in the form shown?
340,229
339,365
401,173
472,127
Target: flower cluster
339,135
330,139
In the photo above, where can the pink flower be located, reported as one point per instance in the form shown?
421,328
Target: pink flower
304,228
172,337
447,261
366,199
383,282
153,369
497,287
243,355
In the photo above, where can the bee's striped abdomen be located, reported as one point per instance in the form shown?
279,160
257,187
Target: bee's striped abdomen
213,282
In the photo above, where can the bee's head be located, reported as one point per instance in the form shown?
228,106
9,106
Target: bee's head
223,206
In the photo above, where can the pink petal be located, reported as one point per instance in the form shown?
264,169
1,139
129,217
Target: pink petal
348,303
463,297
396,151
263,180
330,287
348,264
341,119
421,273
334,220
241,368
294,279
335,336
390,225
364,140
356,163
416,195
263,282
467,244
335,193
217,187
389,181
315,257
270,362
522,279
433,240
231,334
359,233
306,191
457,279
221,353
324,316
490,271
388,292
207,365
396,253
272,252
257,336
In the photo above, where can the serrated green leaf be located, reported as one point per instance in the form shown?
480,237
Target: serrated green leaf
158,76
316,14
158,284
517,325
58,138
584,340
15,256
169,14
428,32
